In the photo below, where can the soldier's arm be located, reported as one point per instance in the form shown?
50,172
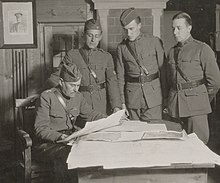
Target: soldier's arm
211,71
112,84
120,74
42,120
87,113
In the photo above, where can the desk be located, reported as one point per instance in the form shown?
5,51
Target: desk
142,161
172,174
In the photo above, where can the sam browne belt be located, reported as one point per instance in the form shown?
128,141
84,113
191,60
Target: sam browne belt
188,85
91,88
142,79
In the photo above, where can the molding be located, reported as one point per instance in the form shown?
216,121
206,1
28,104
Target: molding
124,4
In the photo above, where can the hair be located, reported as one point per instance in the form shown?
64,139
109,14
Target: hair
138,19
184,16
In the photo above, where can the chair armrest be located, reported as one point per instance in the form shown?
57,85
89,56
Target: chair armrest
25,138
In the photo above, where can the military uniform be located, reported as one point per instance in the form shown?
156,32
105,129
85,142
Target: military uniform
53,120
191,99
138,90
102,64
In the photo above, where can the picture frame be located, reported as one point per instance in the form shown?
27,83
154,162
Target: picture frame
18,24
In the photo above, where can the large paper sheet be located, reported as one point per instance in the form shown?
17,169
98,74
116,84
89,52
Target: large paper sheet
132,136
145,153
97,125
135,126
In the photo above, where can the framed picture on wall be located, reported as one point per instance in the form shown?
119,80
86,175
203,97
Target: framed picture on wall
18,24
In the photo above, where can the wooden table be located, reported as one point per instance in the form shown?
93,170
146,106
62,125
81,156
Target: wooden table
179,173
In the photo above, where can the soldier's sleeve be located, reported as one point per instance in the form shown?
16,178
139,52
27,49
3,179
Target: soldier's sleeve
120,73
42,119
54,78
161,65
211,71
112,84
87,113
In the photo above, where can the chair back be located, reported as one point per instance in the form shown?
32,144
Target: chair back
25,114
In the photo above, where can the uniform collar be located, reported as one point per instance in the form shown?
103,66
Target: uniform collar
179,44
137,39
87,49
58,88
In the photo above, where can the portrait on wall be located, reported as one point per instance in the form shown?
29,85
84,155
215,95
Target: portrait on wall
19,23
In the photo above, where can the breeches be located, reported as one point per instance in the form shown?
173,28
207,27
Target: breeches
145,114
198,125
57,155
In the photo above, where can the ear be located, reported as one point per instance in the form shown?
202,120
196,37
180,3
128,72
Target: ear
139,25
100,37
61,82
190,28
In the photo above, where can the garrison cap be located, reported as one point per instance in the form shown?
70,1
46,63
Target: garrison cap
70,73
92,24
18,13
127,16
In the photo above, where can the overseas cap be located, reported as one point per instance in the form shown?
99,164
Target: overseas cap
92,24
18,13
70,73
127,16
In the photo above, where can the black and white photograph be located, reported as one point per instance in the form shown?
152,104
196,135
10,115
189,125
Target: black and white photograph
106,91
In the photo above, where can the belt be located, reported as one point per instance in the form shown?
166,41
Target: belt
142,79
188,85
91,88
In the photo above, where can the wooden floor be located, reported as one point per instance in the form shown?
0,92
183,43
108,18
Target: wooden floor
7,165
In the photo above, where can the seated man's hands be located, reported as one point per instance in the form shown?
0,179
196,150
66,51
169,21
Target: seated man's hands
63,136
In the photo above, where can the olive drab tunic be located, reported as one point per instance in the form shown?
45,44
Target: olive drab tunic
101,63
197,61
51,117
151,53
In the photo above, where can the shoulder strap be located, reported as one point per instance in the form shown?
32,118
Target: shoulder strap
70,116
90,69
136,59
60,100
176,52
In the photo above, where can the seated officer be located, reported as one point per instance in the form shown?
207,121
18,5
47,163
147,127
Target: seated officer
56,112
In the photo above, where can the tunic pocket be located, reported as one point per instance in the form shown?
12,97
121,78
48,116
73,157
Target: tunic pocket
56,114
197,99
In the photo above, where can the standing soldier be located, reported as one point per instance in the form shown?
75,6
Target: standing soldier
193,76
139,67
99,81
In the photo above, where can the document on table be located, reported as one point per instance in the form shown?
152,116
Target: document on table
100,124
136,126
144,153
132,136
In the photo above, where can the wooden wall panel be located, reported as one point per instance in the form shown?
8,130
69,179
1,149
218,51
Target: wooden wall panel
6,93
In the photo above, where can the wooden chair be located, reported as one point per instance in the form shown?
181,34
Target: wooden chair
28,169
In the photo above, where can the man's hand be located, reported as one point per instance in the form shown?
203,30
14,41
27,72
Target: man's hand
126,111
116,109
63,136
